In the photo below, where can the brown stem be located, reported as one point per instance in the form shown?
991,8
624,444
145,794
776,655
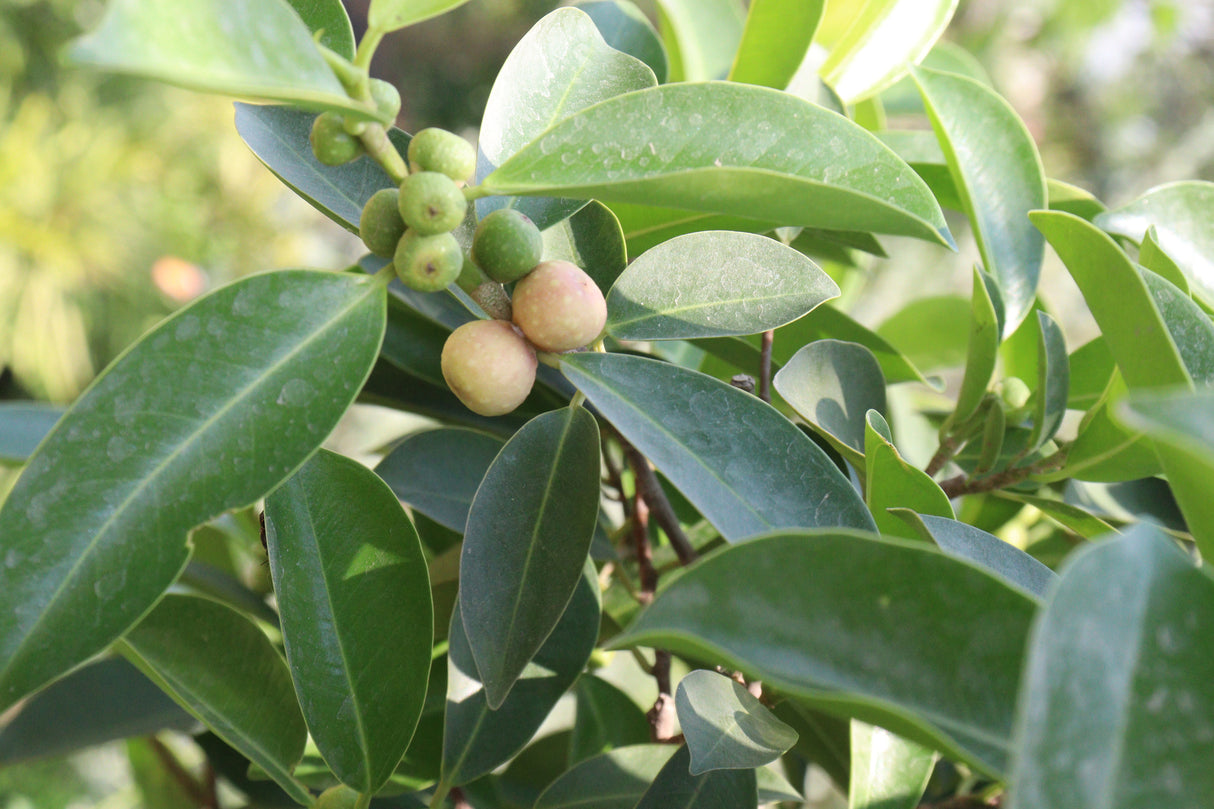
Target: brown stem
948,448
961,484
662,716
644,551
491,296
458,801
765,365
651,490
189,785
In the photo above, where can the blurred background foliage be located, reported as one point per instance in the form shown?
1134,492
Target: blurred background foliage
120,200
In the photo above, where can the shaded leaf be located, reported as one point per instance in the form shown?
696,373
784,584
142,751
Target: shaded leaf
714,284
606,718
626,28
612,780
95,527
822,739
327,18
763,474
726,727
1053,381
828,322
529,530
982,351
676,788
23,425
1071,517
389,15
591,239
701,36
774,41
437,471
887,771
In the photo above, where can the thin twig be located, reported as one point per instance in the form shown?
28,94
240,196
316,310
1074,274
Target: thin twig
659,506
644,551
948,448
196,791
962,484
662,716
765,365
458,801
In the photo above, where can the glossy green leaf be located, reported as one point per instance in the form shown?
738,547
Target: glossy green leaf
476,739
1182,215
591,239
626,28
1053,381
278,136
930,332
1073,199
726,726
529,530
1117,705
93,536
887,771
892,483
105,700
23,425
658,147
437,471
761,474
832,385
714,284
414,343
701,36
675,787
606,718
357,623
1188,324
921,151
612,780
831,603
982,350
328,19
191,45
220,667
645,226
389,15
1152,256
885,38
986,550
560,67
997,171
774,41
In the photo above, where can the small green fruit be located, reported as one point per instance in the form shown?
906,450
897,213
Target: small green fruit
431,203
338,797
438,150
428,263
380,225
386,98
331,143
507,245
489,366
559,307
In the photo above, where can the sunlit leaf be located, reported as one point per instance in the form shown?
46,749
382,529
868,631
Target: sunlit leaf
726,726
887,771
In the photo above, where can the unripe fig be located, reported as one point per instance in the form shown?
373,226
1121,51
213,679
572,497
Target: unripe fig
386,98
380,225
338,797
489,366
559,307
438,150
427,263
331,143
507,245
431,203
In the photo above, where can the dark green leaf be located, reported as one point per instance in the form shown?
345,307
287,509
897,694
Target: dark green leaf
1053,381
997,171
328,18
658,147
701,36
832,385
1117,708
774,41
612,780
192,45
887,771
95,527
606,718
529,530
477,739
413,342
726,726
23,425
823,739
892,483
357,621
676,788
626,28
762,473
714,284
830,604
100,702
645,226
389,15
278,136
437,471
221,667
591,239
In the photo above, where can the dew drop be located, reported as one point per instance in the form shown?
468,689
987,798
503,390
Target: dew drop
118,449
296,393
108,586
187,329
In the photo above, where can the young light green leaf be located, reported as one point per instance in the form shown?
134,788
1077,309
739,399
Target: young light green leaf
1069,516
1117,703
883,41
1152,256
92,538
221,668
931,332
997,171
714,284
832,385
390,15
613,780
437,471
834,600
675,787
560,67
1073,199
887,771
357,622
626,28
892,483
1105,450
660,147
477,739
774,41
726,726
1053,381
764,474
701,36
191,45
1091,367
278,137
605,718
328,20
23,425
529,530
1182,214
982,351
